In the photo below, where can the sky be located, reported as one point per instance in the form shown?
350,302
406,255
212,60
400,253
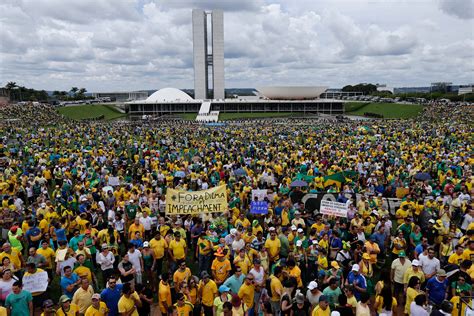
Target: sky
124,45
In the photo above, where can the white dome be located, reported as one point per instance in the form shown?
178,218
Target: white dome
168,95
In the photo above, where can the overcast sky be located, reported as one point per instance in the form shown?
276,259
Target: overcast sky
105,45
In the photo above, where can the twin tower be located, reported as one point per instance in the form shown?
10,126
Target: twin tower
208,54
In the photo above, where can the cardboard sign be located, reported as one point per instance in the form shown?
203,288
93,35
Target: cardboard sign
333,208
37,282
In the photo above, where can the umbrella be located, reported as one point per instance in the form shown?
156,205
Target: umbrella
179,174
422,176
240,172
298,183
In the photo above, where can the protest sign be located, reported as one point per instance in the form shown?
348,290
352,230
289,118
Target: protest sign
114,181
333,208
259,194
259,207
196,202
37,282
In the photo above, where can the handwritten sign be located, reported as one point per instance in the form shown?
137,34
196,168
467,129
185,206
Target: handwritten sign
333,208
37,282
114,181
259,194
196,202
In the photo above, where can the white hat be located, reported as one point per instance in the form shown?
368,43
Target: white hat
315,241
293,227
355,267
272,229
300,230
312,285
335,313
131,201
432,221
146,244
43,204
299,243
233,231
416,263
297,213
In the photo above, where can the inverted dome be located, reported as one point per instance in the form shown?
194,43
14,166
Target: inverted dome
168,95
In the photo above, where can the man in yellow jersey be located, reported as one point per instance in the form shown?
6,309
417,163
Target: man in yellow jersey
273,246
220,267
207,292
159,245
129,301
177,250
246,292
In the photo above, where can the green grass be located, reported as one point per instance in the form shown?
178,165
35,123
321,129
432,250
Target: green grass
354,106
81,112
388,110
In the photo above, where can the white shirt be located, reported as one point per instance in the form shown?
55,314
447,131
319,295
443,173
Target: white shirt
417,310
146,222
428,265
105,262
258,275
134,258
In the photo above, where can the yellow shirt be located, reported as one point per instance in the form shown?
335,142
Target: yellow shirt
320,312
13,256
209,292
296,273
127,304
180,276
3,311
159,247
243,263
48,254
221,269
273,247
411,294
92,311
457,303
185,310
455,258
379,300
177,248
410,273
164,295
73,310
246,293
275,285
83,298
467,254
319,227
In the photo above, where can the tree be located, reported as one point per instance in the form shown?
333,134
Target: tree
73,91
81,93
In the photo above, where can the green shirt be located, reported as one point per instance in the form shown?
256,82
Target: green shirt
18,303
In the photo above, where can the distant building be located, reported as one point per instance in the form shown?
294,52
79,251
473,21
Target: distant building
122,96
339,94
203,61
465,89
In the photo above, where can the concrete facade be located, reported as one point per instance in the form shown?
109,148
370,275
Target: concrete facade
203,60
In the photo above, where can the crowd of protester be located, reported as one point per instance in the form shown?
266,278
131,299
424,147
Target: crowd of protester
110,248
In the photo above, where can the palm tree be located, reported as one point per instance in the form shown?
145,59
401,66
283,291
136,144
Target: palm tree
9,87
74,91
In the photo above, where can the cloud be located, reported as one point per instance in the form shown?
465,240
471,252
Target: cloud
143,44
463,9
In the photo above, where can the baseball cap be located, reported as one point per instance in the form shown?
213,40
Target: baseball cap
416,263
300,230
96,296
293,227
355,267
105,246
402,254
299,243
312,285
366,256
146,244
272,229
48,303
335,265
204,274
441,273
64,298
432,221
223,288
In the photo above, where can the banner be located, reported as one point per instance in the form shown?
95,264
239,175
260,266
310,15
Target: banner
196,202
37,282
259,207
333,208
114,181
259,194
312,201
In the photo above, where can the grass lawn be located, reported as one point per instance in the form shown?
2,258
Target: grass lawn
388,110
80,112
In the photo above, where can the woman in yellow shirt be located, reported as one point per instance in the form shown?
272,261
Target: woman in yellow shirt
385,302
413,290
